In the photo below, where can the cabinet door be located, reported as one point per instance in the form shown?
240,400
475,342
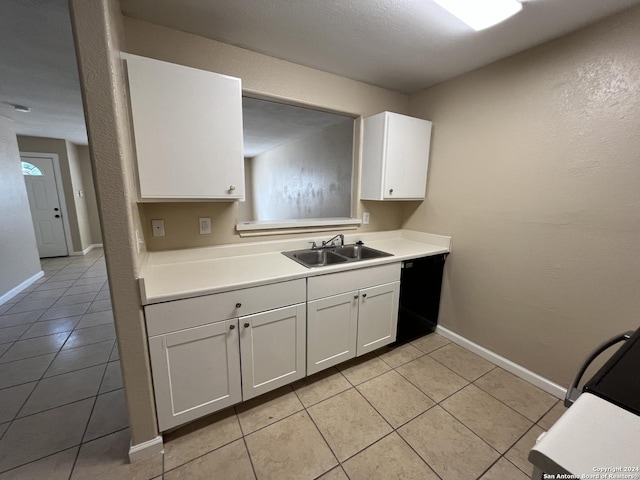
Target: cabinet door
377,316
272,345
187,126
332,328
195,372
407,157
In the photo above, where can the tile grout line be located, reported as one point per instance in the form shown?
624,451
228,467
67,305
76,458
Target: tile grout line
246,447
86,427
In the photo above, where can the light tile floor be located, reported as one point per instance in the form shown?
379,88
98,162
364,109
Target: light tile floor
426,410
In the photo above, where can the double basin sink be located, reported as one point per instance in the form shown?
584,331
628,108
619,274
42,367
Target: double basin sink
322,257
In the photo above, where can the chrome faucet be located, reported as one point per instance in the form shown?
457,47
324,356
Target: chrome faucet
332,241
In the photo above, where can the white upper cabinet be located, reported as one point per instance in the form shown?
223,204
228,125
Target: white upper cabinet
187,125
395,157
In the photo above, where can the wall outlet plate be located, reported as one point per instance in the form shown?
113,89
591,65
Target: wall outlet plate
365,218
205,225
157,227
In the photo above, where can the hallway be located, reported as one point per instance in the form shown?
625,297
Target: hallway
60,380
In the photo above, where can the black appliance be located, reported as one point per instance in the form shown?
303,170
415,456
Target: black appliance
618,380
420,287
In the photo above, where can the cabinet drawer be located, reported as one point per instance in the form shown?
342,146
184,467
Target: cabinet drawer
192,312
337,283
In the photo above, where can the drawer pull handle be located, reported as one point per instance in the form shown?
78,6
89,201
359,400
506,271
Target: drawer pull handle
364,295
232,327
238,305
246,325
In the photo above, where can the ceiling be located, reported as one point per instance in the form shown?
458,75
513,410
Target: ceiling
402,45
38,69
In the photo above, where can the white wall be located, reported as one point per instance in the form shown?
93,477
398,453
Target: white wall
307,178
19,259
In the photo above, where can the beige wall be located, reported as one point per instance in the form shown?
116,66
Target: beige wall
262,76
90,194
79,199
19,259
535,173
59,147
98,40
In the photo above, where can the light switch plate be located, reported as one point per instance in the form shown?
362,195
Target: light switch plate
157,227
205,225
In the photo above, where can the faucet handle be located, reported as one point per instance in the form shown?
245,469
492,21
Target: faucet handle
313,245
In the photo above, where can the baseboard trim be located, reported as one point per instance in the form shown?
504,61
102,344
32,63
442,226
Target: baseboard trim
518,370
16,290
86,250
146,449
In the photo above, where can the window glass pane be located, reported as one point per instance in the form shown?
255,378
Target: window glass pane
30,169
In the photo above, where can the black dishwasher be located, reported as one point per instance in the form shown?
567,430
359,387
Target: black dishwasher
420,287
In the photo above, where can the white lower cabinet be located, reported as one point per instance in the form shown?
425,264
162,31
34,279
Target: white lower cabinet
272,349
195,372
217,363
377,317
350,314
213,351
332,327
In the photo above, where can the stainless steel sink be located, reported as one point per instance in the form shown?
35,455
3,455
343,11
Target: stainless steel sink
360,252
321,257
318,258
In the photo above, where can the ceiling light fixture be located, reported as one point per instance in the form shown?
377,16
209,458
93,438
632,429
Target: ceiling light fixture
21,108
481,14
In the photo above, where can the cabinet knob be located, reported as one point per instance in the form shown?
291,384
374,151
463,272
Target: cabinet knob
232,327
390,191
238,305
232,188
246,325
355,297
364,295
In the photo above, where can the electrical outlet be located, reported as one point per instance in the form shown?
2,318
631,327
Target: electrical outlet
157,226
205,226
365,218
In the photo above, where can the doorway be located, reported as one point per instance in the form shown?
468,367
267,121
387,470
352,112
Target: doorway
45,191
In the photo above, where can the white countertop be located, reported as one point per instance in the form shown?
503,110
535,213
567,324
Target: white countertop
593,439
178,274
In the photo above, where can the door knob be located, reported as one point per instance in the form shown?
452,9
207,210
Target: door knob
56,209
390,191
246,325
355,297
57,216
232,327
238,305
364,295
232,188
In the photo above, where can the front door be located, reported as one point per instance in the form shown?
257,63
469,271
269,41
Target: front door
44,200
